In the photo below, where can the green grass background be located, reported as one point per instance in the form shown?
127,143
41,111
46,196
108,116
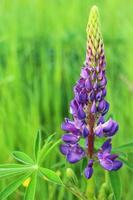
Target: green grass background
42,49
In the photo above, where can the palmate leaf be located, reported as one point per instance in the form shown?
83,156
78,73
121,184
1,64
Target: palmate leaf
51,176
37,145
13,186
31,189
22,157
115,184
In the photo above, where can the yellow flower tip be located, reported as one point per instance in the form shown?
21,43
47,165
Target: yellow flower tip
26,182
94,9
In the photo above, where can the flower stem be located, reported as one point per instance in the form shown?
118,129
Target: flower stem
91,122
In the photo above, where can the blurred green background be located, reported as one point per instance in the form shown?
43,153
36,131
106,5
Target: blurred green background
42,49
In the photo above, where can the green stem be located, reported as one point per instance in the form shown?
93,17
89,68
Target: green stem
90,190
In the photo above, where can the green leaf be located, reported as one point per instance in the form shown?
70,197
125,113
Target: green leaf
128,160
37,144
45,151
115,184
31,189
124,147
49,139
22,157
8,171
11,165
127,163
51,176
83,164
13,186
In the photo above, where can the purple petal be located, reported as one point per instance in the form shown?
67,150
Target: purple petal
85,132
106,108
88,172
83,97
113,130
106,164
112,156
70,138
75,155
97,69
93,107
94,76
100,120
108,125
99,130
95,85
117,165
78,123
81,82
81,113
92,95
73,107
90,163
84,73
107,146
104,92
64,148
101,105
88,84
69,126
100,75
99,95
103,82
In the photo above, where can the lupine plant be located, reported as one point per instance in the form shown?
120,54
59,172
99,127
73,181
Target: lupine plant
88,136
89,108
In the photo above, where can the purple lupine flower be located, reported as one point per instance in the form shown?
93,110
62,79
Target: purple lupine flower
89,107
73,152
106,159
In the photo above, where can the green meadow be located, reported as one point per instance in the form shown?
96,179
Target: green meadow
42,50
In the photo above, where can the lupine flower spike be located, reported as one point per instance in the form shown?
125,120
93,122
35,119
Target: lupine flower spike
89,108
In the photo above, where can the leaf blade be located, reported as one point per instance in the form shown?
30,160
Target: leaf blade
51,176
13,186
22,157
127,163
37,145
124,147
115,184
31,189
